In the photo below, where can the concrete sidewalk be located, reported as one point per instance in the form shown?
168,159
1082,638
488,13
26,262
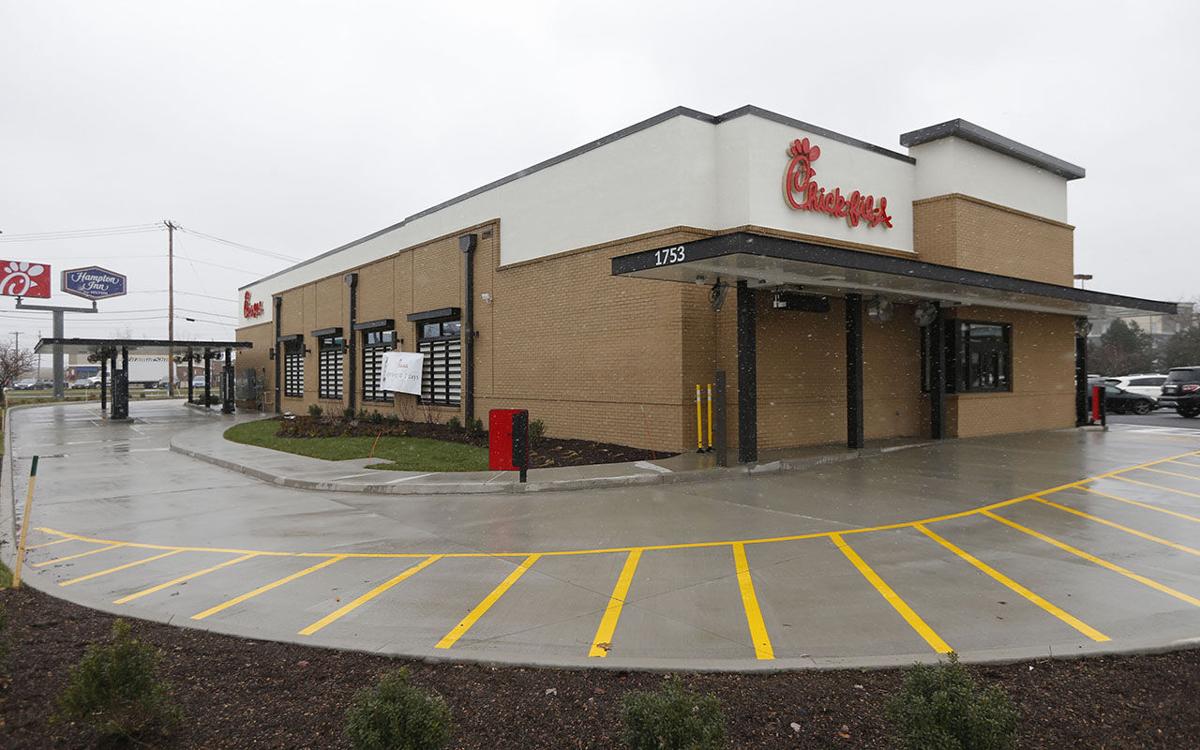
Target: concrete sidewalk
207,443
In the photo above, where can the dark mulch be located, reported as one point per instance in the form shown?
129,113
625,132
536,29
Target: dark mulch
545,453
249,694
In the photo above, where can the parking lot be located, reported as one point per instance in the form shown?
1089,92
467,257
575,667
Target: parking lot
1024,545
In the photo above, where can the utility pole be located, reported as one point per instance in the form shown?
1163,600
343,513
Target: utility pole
170,308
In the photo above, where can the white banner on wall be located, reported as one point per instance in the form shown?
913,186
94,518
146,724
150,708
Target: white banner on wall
401,372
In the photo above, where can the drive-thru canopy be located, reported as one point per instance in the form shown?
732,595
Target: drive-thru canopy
114,353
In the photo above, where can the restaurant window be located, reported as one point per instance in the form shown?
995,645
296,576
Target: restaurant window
375,343
978,357
441,378
293,368
330,350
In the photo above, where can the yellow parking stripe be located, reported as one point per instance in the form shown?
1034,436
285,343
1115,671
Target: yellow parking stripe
612,613
263,589
461,628
1093,559
754,619
126,566
78,555
181,579
47,544
1172,473
912,618
1157,486
1058,612
1140,504
1119,527
348,608
1184,463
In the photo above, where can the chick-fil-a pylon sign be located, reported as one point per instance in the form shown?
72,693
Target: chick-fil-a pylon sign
804,194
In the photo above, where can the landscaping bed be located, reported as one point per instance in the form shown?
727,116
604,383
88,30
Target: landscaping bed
339,438
236,693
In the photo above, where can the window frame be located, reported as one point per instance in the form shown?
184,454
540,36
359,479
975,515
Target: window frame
333,347
293,359
959,368
432,342
371,394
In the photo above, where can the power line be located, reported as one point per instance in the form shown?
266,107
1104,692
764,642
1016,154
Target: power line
216,265
77,234
231,243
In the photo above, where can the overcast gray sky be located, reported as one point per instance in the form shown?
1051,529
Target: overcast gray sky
298,126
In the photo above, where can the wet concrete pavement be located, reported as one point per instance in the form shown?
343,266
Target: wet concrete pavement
1063,542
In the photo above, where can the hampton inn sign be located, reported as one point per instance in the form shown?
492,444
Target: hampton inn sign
804,194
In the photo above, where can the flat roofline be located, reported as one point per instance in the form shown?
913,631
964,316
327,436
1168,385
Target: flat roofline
968,131
650,122
806,252
85,345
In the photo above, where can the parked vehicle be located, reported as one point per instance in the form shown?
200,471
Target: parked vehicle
1181,392
85,383
1120,401
1147,384
25,384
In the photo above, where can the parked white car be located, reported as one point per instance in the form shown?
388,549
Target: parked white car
1145,384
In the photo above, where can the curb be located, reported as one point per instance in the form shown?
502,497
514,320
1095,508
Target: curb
563,485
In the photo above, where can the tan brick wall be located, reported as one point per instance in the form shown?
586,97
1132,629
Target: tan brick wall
957,230
1043,393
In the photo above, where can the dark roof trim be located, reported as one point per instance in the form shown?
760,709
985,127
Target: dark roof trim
610,138
776,247
983,137
289,338
441,313
331,331
368,325
134,343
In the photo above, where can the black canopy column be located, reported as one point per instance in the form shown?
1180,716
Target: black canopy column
191,375
937,375
120,395
854,372
1082,329
207,376
227,383
747,364
103,382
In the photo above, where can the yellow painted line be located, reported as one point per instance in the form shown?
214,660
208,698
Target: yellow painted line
480,609
78,555
1171,473
181,579
754,619
263,589
119,568
1098,561
612,613
48,544
912,618
346,609
1140,504
1158,486
1184,463
1053,609
1119,527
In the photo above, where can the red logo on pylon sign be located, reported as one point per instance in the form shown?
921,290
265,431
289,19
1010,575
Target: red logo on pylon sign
804,194
251,309
21,278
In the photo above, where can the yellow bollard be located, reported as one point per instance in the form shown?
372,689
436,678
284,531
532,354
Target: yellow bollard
16,579
710,418
699,423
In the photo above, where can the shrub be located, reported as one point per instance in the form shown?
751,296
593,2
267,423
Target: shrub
396,715
942,707
375,418
315,411
348,414
115,688
537,431
672,718
476,427
454,423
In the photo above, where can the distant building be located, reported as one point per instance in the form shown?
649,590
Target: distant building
1160,327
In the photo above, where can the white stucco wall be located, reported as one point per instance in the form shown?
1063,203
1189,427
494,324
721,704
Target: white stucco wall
952,165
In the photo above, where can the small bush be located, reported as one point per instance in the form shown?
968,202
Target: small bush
375,418
537,431
672,718
942,707
476,427
348,414
115,688
454,424
396,715
315,411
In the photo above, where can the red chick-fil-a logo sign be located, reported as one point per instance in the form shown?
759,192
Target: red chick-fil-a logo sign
251,309
804,194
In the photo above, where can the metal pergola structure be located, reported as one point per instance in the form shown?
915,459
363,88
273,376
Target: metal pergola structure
116,350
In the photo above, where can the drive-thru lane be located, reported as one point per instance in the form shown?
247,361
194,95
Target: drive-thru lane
1062,542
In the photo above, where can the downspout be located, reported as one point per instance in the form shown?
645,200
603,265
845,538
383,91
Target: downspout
352,282
467,243
278,356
